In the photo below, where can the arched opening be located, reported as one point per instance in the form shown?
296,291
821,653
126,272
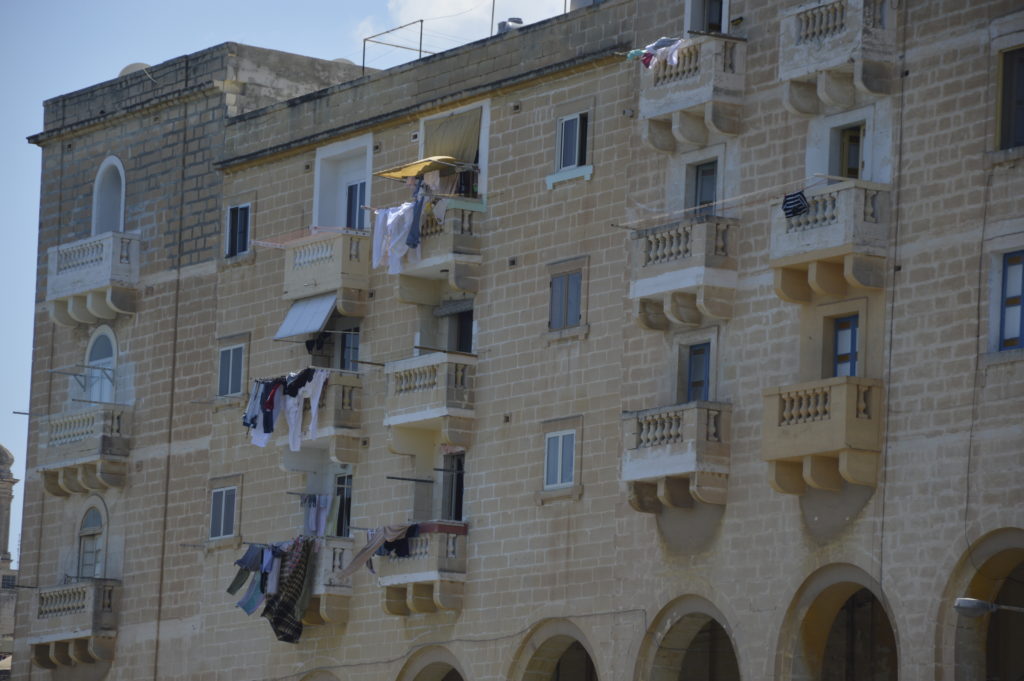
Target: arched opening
432,664
99,367
556,650
696,648
838,628
1004,660
861,643
90,545
108,197
574,665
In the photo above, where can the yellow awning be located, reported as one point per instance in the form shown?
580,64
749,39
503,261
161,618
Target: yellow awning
417,168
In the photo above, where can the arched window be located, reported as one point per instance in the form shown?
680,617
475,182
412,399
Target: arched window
108,197
90,545
99,367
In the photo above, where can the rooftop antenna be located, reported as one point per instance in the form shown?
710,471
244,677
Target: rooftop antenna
419,49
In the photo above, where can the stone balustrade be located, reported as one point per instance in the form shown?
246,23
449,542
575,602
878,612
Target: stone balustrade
75,624
676,454
431,393
329,262
85,451
93,279
330,596
431,576
449,254
822,433
682,271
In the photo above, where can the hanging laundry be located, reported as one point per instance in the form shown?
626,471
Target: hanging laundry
307,384
794,204
375,540
284,610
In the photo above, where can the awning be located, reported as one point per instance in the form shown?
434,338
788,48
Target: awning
307,316
417,168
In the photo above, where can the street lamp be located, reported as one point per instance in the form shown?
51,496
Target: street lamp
972,607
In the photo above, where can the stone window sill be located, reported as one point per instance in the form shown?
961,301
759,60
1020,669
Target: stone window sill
546,496
569,174
222,543
579,332
999,357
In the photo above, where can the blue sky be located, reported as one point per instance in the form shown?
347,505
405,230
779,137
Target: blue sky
54,47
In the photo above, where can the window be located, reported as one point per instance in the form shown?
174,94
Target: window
238,230
90,545
342,188
1011,115
565,300
347,350
698,370
355,199
844,344
461,134
709,16
452,486
460,331
343,490
108,197
572,141
222,512
8,581
850,160
559,458
705,182
1011,327
99,367
230,382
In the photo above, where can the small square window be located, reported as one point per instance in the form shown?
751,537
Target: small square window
572,141
565,300
559,459
1011,322
8,581
238,230
222,512
1011,113
230,373
844,346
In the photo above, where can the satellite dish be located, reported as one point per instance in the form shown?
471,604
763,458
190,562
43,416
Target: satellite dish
132,68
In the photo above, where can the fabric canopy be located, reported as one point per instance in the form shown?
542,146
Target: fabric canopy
307,316
417,168
455,135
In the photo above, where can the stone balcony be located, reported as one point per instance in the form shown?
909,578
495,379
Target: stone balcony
85,451
449,255
93,279
831,51
701,93
74,624
320,262
432,576
330,598
839,244
682,272
676,454
430,402
823,432
339,426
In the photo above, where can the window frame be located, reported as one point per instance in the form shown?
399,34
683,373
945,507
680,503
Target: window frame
565,269
344,524
841,164
696,16
559,435
95,536
231,237
580,135
483,145
705,391
853,355
1009,127
453,486
1001,339
99,193
106,376
240,347
223,490
699,182
335,165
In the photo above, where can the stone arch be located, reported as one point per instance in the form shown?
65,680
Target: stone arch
544,647
91,540
992,570
108,197
808,643
689,638
435,663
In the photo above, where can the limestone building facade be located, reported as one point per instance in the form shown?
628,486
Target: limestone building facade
706,365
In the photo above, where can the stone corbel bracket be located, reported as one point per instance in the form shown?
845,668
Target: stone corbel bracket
836,89
853,271
689,129
683,309
93,307
84,477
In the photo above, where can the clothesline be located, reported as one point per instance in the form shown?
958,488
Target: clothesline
734,201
